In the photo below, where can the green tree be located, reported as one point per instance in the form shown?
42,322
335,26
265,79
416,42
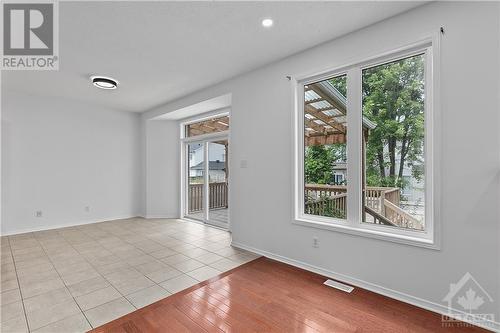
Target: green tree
340,83
319,160
393,98
318,165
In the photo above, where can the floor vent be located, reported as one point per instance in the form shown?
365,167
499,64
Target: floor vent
339,286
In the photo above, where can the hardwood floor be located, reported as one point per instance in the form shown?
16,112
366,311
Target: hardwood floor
268,296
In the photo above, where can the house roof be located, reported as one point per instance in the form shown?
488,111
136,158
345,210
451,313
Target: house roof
213,165
339,166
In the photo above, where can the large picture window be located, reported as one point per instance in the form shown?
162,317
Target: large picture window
378,179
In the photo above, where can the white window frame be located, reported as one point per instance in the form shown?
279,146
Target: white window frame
430,237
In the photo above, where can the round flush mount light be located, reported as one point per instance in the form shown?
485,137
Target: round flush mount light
104,82
267,22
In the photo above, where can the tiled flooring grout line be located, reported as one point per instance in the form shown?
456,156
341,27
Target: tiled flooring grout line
19,286
175,238
101,275
124,296
66,286
104,277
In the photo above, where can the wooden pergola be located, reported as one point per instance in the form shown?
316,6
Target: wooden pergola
213,125
325,115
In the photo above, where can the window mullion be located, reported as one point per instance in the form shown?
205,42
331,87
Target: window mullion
354,159
206,180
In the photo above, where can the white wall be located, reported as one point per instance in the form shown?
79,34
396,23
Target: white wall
59,156
162,169
261,132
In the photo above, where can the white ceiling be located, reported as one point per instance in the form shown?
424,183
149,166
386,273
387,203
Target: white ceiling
160,51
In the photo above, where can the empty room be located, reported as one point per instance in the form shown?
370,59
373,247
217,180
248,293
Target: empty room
250,166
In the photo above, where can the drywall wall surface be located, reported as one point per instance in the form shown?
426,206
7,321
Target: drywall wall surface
73,162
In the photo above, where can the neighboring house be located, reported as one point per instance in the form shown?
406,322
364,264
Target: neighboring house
412,192
339,173
217,170
217,165
195,157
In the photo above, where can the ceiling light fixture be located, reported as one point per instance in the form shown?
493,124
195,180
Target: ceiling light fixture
104,82
267,22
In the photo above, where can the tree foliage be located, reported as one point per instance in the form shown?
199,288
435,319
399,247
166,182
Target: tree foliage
340,83
393,98
319,160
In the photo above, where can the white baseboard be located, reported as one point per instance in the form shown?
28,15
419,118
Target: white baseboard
66,225
419,302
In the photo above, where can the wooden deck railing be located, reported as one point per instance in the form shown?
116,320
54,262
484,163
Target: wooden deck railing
217,196
381,204
334,206
400,217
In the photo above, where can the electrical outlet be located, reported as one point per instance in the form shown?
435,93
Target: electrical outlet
315,242
38,213
87,209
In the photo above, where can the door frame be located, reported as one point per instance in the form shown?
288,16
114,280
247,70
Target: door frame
204,139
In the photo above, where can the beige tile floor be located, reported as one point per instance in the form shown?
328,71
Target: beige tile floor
73,279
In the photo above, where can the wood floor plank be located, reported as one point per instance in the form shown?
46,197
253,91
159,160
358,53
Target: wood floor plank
206,320
267,296
272,309
235,320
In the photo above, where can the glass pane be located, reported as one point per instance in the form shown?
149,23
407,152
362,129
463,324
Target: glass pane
196,170
325,143
393,143
217,174
213,125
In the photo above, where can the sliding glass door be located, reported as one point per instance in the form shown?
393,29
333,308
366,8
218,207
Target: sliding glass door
207,181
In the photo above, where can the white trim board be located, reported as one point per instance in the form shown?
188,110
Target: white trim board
416,301
73,224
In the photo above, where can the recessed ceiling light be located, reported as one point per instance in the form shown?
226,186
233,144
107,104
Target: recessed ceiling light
267,23
104,82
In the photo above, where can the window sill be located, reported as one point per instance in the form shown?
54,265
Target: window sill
369,233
